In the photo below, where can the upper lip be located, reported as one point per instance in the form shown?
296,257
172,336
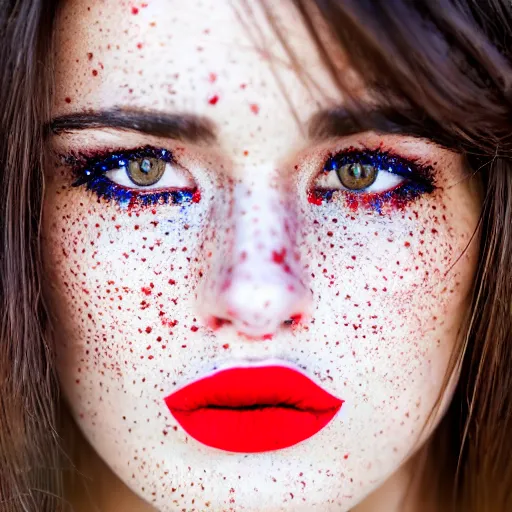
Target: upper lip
249,387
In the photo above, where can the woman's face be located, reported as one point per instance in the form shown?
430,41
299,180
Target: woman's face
318,284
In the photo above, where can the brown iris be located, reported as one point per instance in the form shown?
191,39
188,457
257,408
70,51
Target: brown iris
357,176
145,171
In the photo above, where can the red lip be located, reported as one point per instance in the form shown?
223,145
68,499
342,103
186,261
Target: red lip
253,409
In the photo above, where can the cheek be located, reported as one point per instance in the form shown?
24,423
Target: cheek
121,281
391,289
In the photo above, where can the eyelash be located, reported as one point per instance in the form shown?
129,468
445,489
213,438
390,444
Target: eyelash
418,181
90,172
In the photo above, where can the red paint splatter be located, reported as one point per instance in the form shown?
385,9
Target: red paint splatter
213,100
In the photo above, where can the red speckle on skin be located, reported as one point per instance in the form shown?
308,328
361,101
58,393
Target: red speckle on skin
225,346
90,55
172,281
314,198
94,72
212,78
407,244
345,456
296,319
278,257
213,100
196,197
194,328
135,10
149,329
254,108
68,100
140,46
146,290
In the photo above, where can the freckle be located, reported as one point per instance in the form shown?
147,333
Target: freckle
94,72
212,100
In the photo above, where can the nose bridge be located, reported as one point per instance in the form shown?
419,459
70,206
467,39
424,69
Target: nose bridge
258,285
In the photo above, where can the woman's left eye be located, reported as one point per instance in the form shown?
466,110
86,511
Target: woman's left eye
372,178
148,176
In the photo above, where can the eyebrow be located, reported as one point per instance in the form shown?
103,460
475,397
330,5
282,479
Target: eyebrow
341,122
184,127
328,123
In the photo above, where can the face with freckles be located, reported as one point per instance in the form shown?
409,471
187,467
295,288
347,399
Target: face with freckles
192,225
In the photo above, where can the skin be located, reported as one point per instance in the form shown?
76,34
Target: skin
133,292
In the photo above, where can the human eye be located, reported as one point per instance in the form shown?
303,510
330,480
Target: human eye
371,179
145,176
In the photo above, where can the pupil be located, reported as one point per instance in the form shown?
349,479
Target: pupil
145,166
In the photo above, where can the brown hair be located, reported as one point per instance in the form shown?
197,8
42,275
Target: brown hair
441,67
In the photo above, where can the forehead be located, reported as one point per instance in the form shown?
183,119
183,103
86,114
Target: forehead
217,58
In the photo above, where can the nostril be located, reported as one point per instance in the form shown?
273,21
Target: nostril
215,322
293,320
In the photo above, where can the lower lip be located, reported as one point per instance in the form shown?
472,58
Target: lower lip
252,431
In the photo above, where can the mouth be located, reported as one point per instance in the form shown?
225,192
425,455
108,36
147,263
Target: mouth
253,409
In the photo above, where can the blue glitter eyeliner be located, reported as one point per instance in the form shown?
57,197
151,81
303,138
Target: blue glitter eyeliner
91,172
418,181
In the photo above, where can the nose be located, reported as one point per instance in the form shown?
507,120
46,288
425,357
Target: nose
256,285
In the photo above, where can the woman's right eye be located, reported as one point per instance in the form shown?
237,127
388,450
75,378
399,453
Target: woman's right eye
149,173
147,176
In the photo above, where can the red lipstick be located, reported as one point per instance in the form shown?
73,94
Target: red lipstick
253,409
